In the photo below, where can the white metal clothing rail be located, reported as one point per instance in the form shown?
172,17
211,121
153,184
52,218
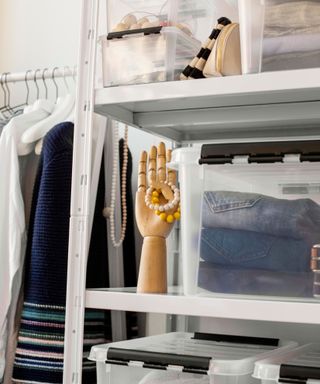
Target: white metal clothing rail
38,74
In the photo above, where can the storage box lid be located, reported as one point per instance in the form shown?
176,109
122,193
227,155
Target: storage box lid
174,32
255,152
185,156
193,353
260,152
294,366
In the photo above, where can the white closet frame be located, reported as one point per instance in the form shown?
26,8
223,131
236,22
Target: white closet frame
265,106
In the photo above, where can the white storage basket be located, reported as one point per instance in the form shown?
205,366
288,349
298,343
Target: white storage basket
223,256
200,358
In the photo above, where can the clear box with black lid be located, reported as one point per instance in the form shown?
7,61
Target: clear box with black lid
249,225
299,366
279,34
153,41
199,358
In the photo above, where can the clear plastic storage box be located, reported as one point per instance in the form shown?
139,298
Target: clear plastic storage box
300,365
250,221
141,58
154,40
279,34
184,357
196,15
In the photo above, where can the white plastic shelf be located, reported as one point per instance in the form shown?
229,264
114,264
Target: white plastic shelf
266,105
125,299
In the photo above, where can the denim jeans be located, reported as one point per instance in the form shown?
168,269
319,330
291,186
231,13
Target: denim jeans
217,279
298,219
253,250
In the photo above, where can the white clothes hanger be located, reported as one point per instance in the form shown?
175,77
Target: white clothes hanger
62,110
32,114
70,118
38,147
6,98
39,103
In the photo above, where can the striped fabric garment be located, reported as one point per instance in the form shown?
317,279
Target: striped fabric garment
39,353
195,69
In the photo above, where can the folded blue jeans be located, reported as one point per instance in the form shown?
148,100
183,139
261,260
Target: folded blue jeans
218,279
298,219
253,250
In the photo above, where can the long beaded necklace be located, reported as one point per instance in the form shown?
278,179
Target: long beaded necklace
117,243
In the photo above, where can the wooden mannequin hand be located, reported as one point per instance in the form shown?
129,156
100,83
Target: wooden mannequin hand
148,222
153,265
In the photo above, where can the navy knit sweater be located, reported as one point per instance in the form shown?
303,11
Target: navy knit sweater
39,354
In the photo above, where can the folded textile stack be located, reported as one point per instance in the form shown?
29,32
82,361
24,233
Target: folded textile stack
291,35
259,237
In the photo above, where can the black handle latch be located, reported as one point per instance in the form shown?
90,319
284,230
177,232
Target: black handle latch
269,152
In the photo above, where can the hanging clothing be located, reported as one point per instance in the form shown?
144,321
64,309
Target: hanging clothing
12,223
39,354
129,255
4,122
98,266
28,171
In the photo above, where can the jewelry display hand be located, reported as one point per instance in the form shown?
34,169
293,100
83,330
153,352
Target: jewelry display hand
157,207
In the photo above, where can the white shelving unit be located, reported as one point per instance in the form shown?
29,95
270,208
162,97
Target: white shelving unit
223,306
263,106
267,105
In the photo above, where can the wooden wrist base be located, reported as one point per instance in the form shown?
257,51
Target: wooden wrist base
153,266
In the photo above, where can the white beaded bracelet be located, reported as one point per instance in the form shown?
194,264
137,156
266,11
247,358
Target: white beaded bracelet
165,207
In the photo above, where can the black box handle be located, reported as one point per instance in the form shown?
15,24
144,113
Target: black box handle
236,339
260,152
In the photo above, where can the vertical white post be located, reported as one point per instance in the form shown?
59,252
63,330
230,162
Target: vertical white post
79,230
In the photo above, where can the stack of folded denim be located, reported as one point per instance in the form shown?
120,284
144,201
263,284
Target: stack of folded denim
291,35
269,237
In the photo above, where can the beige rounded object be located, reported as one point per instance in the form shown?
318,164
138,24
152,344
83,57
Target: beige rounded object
148,24
225,58
120,27
184,28
143,20
130,20
135,26
156,23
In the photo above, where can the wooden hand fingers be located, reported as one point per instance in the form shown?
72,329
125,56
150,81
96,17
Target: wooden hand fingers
172,175
162,163
142,174
152,168
156,172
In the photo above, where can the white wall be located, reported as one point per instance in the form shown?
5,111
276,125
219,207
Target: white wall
38,33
